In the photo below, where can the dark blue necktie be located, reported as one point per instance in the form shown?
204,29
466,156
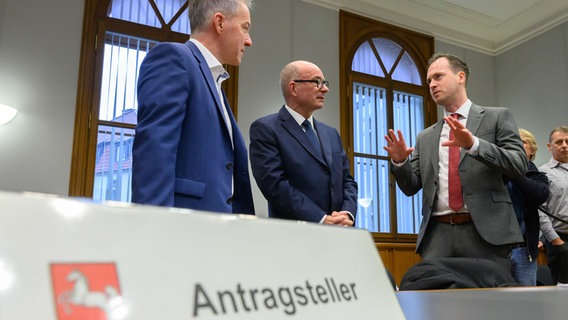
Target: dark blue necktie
312,136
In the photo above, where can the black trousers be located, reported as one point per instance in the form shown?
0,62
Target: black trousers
558,260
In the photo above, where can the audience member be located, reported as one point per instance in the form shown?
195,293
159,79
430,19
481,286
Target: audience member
554,230
527,193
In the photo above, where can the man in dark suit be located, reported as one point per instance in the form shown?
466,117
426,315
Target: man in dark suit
302,179
466,209
188,151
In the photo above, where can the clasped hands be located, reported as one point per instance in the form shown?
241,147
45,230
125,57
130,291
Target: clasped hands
342,218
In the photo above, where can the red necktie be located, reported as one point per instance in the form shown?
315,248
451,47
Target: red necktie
454,183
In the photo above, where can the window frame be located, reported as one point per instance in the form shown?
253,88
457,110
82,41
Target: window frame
95,25
354,31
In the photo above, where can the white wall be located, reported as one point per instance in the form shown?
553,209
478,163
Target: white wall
533,78
39,62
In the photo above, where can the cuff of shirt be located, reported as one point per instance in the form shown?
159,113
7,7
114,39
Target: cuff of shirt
474,150
397,164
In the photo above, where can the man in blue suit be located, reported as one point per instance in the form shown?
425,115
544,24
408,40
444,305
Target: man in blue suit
302,178
188,151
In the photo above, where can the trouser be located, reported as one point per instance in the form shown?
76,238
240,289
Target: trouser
558,260
462,240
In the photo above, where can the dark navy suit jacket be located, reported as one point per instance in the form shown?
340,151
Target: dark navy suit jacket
527,193
182,151
298,183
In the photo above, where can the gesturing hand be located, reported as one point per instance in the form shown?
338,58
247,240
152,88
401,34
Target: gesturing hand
462,136
396,146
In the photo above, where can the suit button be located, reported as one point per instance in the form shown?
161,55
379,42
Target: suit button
230,200
229,166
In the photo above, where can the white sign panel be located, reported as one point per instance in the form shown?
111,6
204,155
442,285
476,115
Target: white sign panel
66,259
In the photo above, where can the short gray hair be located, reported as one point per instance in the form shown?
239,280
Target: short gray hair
201,11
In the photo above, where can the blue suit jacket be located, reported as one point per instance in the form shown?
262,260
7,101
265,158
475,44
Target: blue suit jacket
299,184
182,151
500,153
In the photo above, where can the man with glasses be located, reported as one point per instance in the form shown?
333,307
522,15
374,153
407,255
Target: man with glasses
298,162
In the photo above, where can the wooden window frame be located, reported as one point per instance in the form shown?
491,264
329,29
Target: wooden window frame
353,31
95,24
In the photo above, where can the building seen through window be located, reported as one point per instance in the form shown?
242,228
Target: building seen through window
124,31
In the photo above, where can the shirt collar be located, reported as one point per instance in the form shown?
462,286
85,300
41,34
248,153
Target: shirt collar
217,70
463,110
555,164
298,117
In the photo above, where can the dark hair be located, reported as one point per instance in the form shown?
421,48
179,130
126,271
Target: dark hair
563,129
456,63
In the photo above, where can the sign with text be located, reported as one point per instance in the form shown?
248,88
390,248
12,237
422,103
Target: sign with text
66,259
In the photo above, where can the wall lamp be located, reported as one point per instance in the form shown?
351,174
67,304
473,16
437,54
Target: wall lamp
7,113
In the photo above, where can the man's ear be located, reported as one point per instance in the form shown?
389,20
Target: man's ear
292,88
461,74
218,20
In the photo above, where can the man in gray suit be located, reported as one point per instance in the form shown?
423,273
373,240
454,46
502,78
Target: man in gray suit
466,210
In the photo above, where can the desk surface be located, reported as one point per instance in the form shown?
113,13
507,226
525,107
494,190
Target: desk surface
547,303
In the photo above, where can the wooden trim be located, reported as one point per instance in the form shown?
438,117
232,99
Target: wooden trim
231,88
397,258
80,152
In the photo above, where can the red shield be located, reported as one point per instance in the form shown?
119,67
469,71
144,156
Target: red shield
86,291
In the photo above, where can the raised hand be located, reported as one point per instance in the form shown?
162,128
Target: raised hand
462,136
396,146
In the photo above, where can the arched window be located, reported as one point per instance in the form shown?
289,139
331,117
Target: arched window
117,34
383,78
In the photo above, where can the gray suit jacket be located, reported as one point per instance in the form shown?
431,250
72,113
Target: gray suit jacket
500,153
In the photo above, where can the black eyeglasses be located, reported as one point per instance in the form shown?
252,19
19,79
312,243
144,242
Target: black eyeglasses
318,82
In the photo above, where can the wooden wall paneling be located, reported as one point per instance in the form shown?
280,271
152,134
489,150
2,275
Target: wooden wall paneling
398,257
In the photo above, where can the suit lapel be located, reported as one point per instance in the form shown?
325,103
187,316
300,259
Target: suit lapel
325,141
206,72
292,127
433,139
474,119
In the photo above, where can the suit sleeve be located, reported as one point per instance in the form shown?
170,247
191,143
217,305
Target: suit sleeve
502,148
407,176
162,98
534,185
350,188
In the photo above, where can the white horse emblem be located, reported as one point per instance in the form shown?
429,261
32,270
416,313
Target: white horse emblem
81,295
